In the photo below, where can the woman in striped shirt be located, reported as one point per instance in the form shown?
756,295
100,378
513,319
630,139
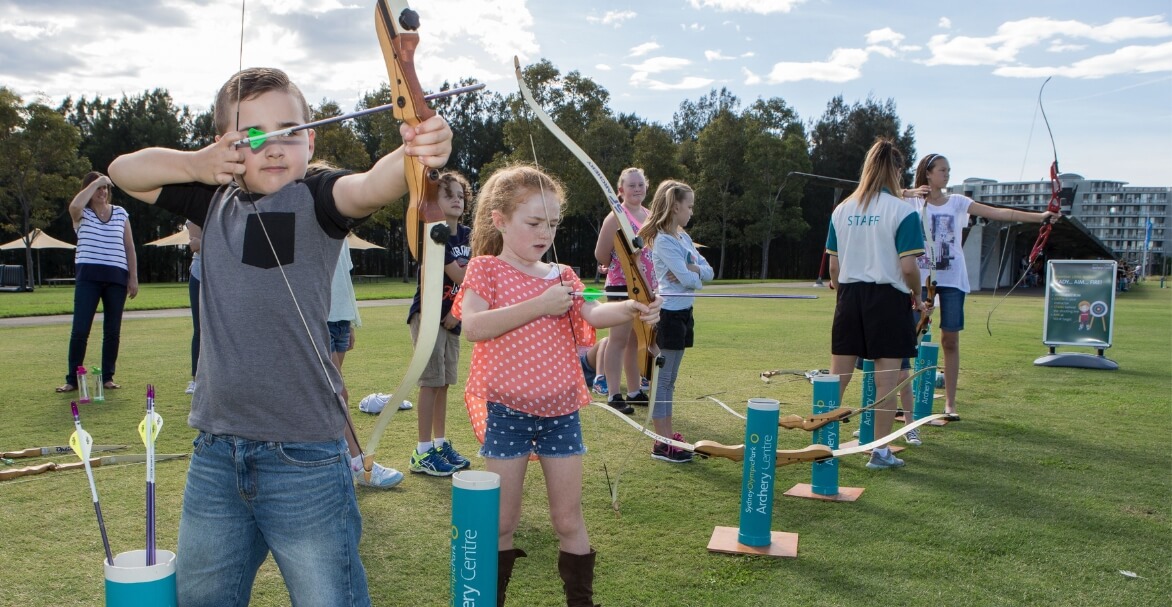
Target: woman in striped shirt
107,271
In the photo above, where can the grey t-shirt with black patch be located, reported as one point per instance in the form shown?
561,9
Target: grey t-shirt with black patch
263,373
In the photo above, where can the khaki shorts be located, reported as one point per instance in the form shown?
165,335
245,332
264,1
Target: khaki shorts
441,367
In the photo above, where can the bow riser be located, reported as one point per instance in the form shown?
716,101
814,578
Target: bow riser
426,225
395,23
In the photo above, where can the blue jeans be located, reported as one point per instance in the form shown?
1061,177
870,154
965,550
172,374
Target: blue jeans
245,498
86,295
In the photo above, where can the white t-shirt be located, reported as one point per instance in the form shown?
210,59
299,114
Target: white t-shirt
869,243
943,229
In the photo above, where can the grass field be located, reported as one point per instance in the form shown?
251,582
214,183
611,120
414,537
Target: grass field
1055,480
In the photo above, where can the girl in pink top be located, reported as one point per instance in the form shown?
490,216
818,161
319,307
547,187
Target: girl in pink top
525,384
620,355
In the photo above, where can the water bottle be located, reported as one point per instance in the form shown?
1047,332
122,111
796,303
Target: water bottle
83,386
99,388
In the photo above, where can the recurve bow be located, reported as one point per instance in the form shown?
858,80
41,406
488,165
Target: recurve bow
426,227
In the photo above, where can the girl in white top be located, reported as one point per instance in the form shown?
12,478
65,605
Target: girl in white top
944,217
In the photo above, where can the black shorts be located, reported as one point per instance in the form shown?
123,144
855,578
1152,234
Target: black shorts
616,292
872,321
676,329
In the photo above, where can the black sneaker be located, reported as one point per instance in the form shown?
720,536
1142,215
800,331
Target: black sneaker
638,399
666,453
617,403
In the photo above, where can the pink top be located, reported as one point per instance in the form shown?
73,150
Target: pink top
533,368
614,274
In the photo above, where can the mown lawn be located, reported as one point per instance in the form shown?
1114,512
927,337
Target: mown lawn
1055,480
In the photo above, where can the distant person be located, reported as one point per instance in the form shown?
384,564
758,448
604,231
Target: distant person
194,241
873,242
434,454
343,322
107,272
946,215
620,353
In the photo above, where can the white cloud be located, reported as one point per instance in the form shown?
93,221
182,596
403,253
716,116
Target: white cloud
602,67
844,65
751,79
1011,37
760,7
615,18
694,26
1127,60
656,65
641,80
643,49
1059,46
717,56
885,35
944,23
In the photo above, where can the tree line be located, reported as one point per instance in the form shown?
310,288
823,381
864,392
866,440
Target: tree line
756,218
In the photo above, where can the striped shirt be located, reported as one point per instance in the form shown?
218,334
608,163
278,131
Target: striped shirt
102,243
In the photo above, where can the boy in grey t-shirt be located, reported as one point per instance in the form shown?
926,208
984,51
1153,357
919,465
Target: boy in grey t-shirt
270,469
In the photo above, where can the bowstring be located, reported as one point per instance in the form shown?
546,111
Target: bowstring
243,187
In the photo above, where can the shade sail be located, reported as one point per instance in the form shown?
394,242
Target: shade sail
40,240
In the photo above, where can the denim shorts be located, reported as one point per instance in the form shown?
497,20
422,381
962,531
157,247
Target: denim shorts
339,335
950,313
510,434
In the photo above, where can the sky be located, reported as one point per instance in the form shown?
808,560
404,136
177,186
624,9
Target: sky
966,75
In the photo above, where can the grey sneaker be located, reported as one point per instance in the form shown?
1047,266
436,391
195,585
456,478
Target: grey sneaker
878,462
380,477
913,438
190,387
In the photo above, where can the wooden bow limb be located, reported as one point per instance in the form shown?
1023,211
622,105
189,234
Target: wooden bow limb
56,450
426,226
95,462
784,457
811,423
813,453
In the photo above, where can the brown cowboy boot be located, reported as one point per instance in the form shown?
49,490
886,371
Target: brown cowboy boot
577,571
504,570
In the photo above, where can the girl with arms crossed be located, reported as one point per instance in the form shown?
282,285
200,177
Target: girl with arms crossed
679,269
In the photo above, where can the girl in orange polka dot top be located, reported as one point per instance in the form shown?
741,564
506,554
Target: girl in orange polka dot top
525,384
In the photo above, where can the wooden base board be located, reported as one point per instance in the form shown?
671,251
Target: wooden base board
855,443
782,544
806,490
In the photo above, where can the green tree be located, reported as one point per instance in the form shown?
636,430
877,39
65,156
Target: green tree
657,154
840,139
720,182
775,147
338,143
39,175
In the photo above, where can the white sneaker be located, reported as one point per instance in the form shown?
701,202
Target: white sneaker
405,405
373,403
190,387
381,477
